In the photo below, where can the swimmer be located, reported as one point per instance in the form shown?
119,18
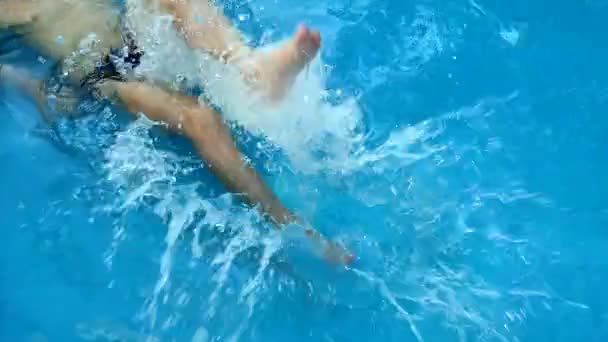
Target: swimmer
57,28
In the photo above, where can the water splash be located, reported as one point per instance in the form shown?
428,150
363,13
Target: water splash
423,39
146,175
433,189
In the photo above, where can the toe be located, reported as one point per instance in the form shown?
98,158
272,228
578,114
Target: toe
302,32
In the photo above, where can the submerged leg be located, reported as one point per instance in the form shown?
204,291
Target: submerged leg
25,82
22,79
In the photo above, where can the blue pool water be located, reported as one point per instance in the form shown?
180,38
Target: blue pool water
473,192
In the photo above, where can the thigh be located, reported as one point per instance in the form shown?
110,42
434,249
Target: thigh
157,103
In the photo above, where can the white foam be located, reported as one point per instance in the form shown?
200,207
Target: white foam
302,124
511,35
144,173
422,40
305,125
201,335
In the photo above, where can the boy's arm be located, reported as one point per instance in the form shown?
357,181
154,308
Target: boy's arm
17,12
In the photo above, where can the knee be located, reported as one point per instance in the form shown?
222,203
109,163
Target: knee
201,121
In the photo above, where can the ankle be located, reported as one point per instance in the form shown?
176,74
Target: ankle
236,55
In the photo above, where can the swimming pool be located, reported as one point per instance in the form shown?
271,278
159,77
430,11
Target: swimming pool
461,155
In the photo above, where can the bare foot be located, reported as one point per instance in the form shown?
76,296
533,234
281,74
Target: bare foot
329,250
337,254
273,72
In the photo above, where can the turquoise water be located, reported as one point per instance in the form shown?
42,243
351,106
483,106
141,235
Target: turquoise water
471,185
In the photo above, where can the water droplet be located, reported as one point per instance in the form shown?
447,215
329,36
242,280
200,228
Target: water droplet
59,39
201,335
511,35
243,17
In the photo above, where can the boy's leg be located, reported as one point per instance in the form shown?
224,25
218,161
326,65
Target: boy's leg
212,140
183,115
23,80
205,27
206,131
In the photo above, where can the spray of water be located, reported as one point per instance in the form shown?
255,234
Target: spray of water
430,282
